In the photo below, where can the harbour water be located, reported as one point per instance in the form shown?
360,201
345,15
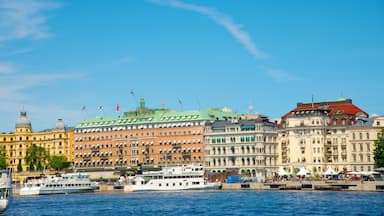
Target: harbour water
202,203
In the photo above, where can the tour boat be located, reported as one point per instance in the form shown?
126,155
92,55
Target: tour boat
63,184
185,177
5,189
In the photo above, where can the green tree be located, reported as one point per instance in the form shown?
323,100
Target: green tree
36,157
379,150
3,157
59,162
19,167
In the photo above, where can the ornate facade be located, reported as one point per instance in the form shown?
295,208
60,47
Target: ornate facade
57,141
318,136
248,146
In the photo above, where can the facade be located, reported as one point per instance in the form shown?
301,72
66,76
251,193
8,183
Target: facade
248,146
361,139
143,136
57,141
316,136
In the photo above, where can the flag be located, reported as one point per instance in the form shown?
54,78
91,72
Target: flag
100,108
162,103
117,108
180,102
132,93
83,108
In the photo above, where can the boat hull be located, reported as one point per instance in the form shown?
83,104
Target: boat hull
136,188
3,204
44,191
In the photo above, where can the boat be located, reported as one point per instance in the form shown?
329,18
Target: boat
5,189
60,184
172,178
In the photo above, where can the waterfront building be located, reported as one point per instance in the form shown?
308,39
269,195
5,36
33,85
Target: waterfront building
248,145
315,136
361,143
143,136
57,141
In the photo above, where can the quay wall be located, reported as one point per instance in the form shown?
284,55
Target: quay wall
374,186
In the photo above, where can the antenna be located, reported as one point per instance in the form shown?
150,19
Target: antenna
250,109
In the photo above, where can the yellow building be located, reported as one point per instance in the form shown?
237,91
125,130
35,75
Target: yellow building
57,141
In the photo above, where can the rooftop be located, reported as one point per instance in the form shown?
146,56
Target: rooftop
339,107
145,116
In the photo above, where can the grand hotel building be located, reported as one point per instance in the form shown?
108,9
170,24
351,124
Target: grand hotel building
143,136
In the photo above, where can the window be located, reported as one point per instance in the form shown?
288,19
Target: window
367,136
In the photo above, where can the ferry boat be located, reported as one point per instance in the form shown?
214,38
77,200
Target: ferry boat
185,177
64,184
5,189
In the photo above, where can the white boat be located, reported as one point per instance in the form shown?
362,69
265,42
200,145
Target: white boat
5,189
64,184
185,177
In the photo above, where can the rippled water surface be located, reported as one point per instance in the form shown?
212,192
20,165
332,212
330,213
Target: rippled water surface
202,203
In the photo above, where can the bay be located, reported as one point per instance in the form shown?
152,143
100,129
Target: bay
202,203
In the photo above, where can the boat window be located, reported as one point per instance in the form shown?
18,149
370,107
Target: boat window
180,184
160,185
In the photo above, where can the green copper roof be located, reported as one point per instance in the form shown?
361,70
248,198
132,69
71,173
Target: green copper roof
145,116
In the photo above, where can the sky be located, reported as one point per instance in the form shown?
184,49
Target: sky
57,57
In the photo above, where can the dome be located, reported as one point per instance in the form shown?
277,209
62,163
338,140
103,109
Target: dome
23,121
59,125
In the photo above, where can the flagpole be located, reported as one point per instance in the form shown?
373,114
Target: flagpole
181,104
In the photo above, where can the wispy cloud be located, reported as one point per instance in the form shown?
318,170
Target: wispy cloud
12,88
279,75
125,60
14,52
227,22
24,19
6,68
14,94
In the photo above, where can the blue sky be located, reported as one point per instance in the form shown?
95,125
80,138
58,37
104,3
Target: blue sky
57,56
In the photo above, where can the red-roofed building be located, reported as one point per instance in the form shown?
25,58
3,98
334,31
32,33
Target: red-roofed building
340,112
315,136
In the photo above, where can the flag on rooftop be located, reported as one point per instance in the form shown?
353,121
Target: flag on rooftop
83,108
101,108
117,108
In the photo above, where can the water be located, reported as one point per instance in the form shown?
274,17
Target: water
202,203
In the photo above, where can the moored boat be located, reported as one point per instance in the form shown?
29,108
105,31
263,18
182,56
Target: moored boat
185,177
5,189
63,184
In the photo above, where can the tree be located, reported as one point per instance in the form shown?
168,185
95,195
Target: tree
19,167
36,157
379,150
3,157
59,162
